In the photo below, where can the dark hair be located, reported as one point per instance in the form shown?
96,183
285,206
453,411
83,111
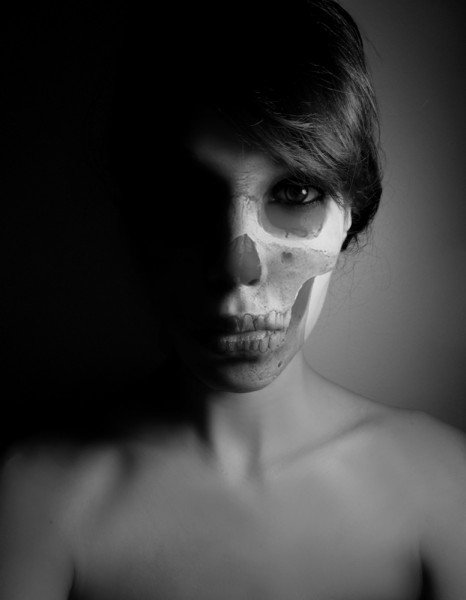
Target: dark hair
290,76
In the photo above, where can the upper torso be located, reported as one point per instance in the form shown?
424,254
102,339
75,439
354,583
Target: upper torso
337,523
340,521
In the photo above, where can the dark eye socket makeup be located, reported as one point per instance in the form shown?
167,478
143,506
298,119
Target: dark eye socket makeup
295,194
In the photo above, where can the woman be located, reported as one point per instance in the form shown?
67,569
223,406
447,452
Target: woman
247,474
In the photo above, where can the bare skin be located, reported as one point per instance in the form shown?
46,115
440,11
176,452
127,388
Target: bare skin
268,482
375,497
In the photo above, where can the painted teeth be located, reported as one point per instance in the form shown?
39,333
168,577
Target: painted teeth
270,321
274,342
247,323
264,344
259,322
269,341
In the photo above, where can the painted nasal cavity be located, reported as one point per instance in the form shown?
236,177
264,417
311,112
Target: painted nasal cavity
243,263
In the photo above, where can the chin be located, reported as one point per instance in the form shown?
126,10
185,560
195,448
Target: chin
237,376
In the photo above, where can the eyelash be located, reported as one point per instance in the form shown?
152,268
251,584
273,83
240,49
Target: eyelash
300,188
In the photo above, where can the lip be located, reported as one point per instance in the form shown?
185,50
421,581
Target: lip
272,321
246,335
250,343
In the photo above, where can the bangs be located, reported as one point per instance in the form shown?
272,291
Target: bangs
297,88
291,80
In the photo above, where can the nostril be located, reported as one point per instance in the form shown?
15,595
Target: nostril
253,281
240,264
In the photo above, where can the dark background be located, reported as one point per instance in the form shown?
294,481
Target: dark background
75,324
77,330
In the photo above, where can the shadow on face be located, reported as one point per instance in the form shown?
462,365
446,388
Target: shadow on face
233,245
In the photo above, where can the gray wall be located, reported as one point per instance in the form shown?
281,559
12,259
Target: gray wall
394,327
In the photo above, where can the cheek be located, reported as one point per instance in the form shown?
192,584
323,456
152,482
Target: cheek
292,267
306,242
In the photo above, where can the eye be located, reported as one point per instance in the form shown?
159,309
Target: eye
295,194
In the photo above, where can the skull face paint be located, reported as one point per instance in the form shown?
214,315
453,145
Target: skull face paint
255,296
300,244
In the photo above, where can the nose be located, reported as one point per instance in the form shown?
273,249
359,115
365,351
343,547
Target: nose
240,264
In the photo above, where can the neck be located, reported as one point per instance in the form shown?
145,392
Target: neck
243,434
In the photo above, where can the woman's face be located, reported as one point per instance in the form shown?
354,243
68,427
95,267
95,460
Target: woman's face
246,255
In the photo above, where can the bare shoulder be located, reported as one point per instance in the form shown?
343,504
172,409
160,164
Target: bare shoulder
421,441
427,453
59,475
415,464
433,455
434,458
35,558
46,489
433,452
31,473
50,489
424,455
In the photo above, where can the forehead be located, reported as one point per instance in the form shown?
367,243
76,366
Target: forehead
216,145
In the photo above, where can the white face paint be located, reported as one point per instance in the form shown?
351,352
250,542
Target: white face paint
293,246
278,260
